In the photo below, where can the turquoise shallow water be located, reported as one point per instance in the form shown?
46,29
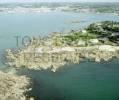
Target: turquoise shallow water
84,81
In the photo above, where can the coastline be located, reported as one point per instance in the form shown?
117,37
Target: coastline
42,68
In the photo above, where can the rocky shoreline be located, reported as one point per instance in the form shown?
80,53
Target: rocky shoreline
57,57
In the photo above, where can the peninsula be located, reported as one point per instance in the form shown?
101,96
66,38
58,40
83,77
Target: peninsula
99,41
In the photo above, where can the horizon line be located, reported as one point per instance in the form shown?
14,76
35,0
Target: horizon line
62,2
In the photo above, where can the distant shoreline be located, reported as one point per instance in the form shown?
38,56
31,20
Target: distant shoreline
101,7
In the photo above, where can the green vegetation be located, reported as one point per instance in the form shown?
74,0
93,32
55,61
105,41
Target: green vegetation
102,31
79,36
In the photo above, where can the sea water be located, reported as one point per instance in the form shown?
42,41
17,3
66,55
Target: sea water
85,81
